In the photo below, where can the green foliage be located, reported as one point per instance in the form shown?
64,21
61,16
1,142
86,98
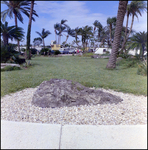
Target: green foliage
27,64
57,52
8,52
88,72
33,51
142,68
10,68
124,55
23,49
46,50
11,32
128,63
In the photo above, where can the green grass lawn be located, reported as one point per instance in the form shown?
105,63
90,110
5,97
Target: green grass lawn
85,70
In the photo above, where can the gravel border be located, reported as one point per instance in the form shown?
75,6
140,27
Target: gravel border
131,111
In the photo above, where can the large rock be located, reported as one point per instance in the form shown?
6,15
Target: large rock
62,92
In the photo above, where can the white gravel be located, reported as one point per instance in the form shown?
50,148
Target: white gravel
131,111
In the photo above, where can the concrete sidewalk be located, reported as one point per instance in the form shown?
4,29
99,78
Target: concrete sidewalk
24,135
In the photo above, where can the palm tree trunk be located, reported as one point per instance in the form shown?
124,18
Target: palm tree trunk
28,55
118,29
43,43
5,39
55,36
125,38
111,35
18,43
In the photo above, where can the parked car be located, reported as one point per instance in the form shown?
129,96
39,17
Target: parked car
61,50
66,51
72,51
90,50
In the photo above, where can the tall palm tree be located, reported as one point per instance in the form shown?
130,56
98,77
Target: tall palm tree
16,8
138,41
43,35
56,27
28,56
112,23
86,32
11,32
77,32
134,8
37,41
61,28
70,32
118,29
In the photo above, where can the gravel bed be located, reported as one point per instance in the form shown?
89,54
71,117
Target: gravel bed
131,111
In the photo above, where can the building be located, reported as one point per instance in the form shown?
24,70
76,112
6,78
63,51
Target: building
55,47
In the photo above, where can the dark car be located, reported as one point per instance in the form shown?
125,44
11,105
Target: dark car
90,50
66,51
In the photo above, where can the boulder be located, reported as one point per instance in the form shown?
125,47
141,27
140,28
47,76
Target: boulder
62,92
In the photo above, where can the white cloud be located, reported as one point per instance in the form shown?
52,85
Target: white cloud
75,12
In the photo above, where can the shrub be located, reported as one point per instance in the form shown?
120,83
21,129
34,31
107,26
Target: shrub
57,52
23,49
8,52
142,68
33,51
44,50
10,68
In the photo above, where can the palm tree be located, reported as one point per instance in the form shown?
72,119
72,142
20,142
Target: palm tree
60,27
77,32
16,8
112,23
118,29
28,56
99,26
134,8
86,32
138,41
56,27
43,35
11,32
37,41
70,32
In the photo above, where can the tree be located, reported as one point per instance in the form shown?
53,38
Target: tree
77,32
112,23
138,41
16,8
70,32
134,8
43,35
60,27
56,27
97,25
11,32
86,32
118,29
37,41
28,56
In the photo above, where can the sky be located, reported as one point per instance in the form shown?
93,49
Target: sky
77,14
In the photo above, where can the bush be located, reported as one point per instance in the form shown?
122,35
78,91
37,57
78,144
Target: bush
33,51
10,68
44,51
23,49
142,68
57,52
8,52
